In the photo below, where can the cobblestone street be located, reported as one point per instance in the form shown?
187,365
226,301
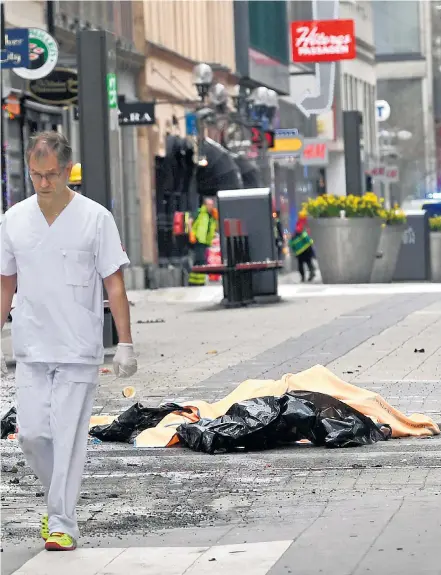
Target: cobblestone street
354,511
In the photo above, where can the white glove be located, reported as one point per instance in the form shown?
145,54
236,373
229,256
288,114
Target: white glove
124,361
4,366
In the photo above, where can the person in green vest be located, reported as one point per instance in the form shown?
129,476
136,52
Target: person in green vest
301,244
203,230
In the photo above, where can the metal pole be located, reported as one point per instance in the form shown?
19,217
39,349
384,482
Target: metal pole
3,159
50,21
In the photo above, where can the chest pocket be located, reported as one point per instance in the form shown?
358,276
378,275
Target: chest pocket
78,267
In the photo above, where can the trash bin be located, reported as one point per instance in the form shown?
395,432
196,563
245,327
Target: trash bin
413,263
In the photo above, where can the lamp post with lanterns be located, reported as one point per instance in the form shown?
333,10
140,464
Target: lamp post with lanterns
255,108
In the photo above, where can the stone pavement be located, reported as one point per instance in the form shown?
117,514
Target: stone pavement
295,510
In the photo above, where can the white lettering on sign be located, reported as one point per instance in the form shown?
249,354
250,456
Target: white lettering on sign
312,43
409,236
136,117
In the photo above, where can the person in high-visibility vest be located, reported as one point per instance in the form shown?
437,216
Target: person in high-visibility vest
301,244
75,179
203,230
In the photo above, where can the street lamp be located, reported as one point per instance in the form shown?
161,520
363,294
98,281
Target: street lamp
265,104
202,79
219,97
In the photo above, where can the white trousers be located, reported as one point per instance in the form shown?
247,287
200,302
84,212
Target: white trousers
54,406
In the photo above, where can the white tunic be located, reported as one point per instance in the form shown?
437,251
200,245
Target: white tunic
59,313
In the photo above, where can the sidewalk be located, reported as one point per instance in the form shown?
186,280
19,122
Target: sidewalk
342,512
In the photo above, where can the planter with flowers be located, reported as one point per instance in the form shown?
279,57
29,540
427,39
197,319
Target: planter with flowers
435,248
346,231
393,227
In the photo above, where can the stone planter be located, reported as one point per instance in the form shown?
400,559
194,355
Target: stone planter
387,254
435,256
346,248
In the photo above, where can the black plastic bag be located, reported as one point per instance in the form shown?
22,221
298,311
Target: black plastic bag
270,421
9,423
339,425
239,427
133,421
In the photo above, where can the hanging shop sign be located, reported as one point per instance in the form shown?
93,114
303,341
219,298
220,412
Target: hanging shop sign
16,51
287,144
43,55
316,41
314,153
60,87
136,113
386,174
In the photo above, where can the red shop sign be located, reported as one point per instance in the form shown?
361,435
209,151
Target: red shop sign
315,151
323,40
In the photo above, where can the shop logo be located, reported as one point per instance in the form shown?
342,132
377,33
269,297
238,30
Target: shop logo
323,40
43,55
60,87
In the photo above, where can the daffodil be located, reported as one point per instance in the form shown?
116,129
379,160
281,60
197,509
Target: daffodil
435,224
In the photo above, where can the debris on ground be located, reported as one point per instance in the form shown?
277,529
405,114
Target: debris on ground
151,321
129,392
105,370
94,440
422,350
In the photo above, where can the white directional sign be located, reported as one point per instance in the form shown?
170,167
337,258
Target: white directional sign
382,110
319,100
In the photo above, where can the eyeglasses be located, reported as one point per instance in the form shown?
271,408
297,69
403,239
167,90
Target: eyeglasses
50,178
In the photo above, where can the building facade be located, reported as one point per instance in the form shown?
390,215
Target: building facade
436,67
63,22
177,36
405,79
355,90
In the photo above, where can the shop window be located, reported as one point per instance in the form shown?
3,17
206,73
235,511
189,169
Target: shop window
397,27
267,18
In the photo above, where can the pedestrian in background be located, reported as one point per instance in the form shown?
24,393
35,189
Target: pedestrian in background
301,245
278,234
59,247
203,231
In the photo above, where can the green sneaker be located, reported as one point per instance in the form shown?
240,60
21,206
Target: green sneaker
60,542
44,531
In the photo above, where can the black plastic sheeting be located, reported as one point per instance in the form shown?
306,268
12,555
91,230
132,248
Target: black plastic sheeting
267,422
251,174
9,423
133,421
221,171
255,424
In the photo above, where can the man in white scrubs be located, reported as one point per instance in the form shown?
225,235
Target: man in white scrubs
59,247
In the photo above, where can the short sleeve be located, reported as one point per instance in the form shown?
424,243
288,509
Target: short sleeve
110,255
8,264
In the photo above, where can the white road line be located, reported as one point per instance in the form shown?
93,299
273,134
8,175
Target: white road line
255,558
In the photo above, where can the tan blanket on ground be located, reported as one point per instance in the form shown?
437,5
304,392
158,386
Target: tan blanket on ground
317,379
